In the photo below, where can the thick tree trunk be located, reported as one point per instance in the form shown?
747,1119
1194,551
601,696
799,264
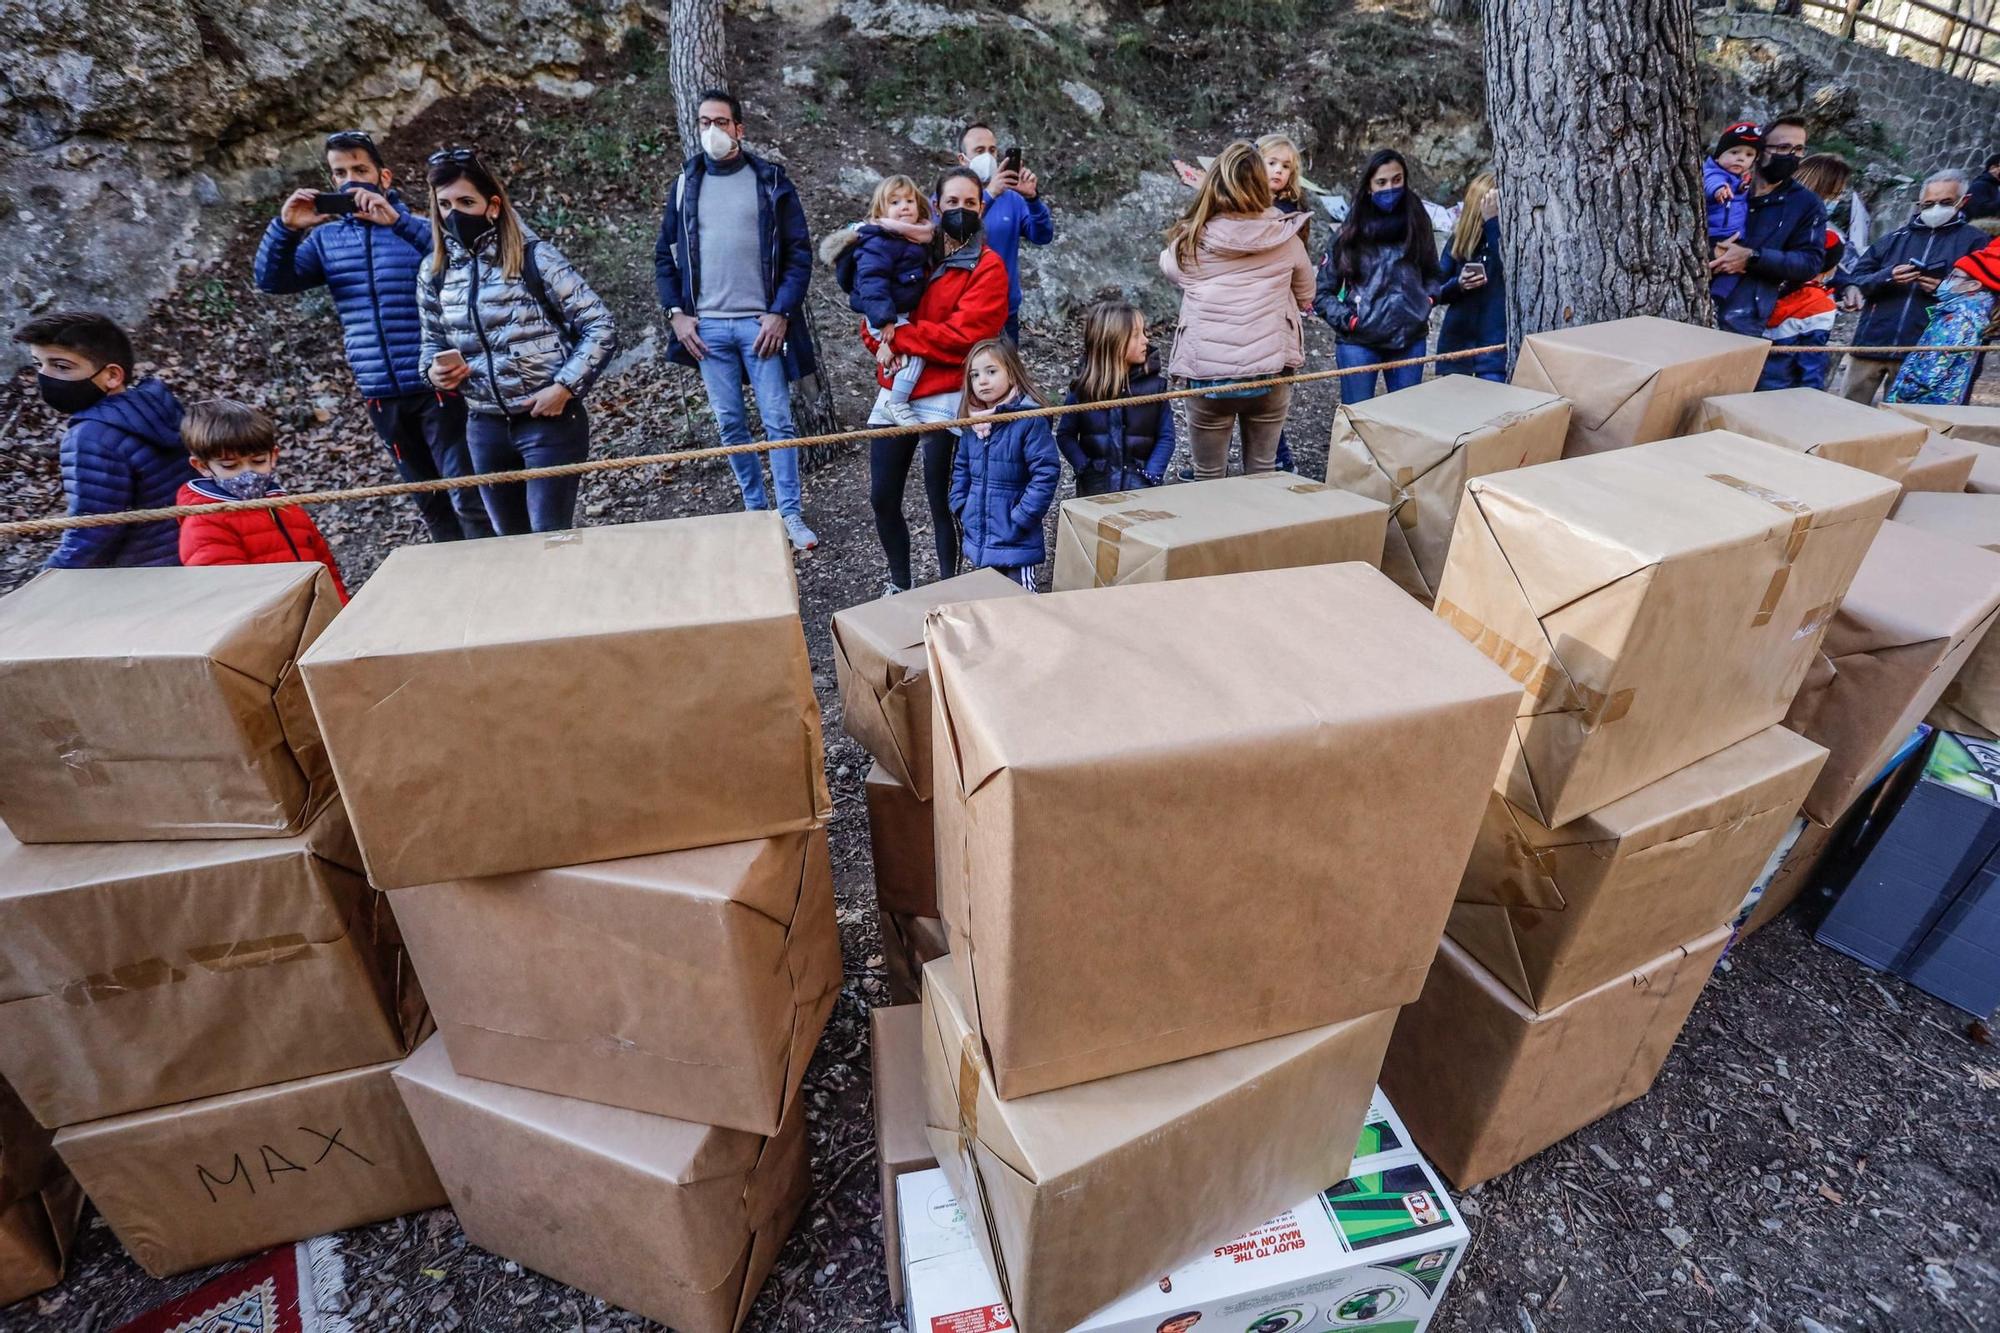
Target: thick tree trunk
1597,147
694,59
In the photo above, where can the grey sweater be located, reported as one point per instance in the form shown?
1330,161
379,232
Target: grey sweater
732,265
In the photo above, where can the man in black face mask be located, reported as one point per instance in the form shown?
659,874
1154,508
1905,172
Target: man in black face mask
1783,243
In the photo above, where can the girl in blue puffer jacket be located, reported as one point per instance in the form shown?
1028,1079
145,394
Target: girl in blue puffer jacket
1005,473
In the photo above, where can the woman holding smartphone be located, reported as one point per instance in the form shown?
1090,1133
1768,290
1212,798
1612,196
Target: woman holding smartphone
1475,287
511,325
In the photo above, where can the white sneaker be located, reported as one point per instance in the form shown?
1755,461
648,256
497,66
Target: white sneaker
901,412
803,537
890,589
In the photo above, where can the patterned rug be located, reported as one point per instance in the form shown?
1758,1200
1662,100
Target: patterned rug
297,1289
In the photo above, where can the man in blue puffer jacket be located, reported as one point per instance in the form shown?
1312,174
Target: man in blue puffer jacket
368,261
123,446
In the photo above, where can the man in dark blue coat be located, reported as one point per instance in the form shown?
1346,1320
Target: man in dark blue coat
732,265
1783,243
368,260
1894,284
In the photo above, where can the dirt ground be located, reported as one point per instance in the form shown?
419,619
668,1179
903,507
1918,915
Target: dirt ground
1820,1152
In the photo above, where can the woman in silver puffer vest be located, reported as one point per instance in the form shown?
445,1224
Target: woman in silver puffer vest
508,322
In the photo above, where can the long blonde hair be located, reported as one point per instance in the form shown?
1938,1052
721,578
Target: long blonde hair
513,250
1233,183
1108,327
1009,357
886,192
1471,220
1293,193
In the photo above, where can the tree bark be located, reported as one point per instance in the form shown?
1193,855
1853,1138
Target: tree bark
1597,148
1453,10
695,62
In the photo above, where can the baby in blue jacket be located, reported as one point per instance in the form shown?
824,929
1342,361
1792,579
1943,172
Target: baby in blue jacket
1725,186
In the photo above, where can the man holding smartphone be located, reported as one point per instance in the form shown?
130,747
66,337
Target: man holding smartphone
361,243
1895,284
1015,209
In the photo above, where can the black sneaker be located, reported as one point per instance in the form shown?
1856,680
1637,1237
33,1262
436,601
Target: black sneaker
1185,474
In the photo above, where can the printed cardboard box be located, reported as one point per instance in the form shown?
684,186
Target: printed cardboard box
144,704
896,1065
1919,608
1270,520
1657,604
144,974
902,842
1079,827
908,944
36,1233
1200,1148
693,984
1943,465
1415,449
1822,424
885,683
1971,702
209,1180
1784,877
1974,425
561,698
1485,1082
1633,381
1554,913
676,1221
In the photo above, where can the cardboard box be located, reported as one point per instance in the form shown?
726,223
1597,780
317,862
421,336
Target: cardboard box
144,974
1784,877
676,1221
1415,449
209,1180
1281,767
902,842
1943,465
156,703
1376,1250
1202,1148
1822,424
1658,604
1971,519
1974,425
693,984
1985,478
1919,607
556,699
896,1063
1633,381
27,1161
1922,903
885,683
908,943
1269,520
1970,704
36,1234
1554,913
1484,1082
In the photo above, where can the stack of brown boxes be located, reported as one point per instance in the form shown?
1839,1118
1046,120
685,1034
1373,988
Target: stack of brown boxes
1660,605
196,984
1970,703
1197,841
586,767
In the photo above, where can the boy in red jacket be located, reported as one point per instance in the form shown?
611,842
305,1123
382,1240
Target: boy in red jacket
235,448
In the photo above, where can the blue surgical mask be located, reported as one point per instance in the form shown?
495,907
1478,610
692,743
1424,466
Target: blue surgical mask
1387,200
248,485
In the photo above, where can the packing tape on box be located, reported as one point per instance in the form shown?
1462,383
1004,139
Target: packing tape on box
1110,534
147,973
74,754
1536,676
968,1090
1816,620
1406,502
1113,498
1306,487
1795,540
1600,709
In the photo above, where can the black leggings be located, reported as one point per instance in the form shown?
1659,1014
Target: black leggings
888,472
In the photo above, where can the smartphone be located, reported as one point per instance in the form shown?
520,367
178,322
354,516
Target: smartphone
1012,161
1472,269
450,358
333,202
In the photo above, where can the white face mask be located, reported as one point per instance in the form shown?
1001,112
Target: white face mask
1936,215
983,165
715,141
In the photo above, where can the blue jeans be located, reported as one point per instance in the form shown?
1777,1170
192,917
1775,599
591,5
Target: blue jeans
729,362
1360,388
506,444
1795,370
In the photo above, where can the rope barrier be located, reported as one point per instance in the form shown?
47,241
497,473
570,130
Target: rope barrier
34,527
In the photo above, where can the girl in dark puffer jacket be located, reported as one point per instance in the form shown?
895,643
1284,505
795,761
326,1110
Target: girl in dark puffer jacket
1116,448
1005,473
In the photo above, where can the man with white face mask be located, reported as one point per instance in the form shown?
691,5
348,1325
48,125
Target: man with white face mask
1015,209
1895,284
732,266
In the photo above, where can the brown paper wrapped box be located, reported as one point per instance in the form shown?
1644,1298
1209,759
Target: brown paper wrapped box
693,984
1822,424
902,843
908,943
562,698
896,1060
885,683
36,1234
1078,1196
143,974
676,1221
1553,913
143,704
209,1180
1971,519
1484,1082
1943,464
1790,879
1974,425
1290,764
1658,603
1985,478
1971,702
1920,607
1632,381
1415,449
1271,520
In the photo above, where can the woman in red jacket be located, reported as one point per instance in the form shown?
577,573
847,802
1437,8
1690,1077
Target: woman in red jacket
964,304
234,447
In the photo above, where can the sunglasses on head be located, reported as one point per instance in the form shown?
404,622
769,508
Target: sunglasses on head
350,139
461,156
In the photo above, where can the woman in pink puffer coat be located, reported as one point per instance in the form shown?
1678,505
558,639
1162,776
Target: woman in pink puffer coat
1245,278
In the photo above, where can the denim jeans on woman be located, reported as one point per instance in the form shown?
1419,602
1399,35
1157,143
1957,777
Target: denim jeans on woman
730,361
1360,388
508,444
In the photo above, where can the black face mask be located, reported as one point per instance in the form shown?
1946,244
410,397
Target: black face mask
466,228
959,223
68,396
1777,168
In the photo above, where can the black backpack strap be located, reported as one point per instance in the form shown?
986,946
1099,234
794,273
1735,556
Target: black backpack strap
531,276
